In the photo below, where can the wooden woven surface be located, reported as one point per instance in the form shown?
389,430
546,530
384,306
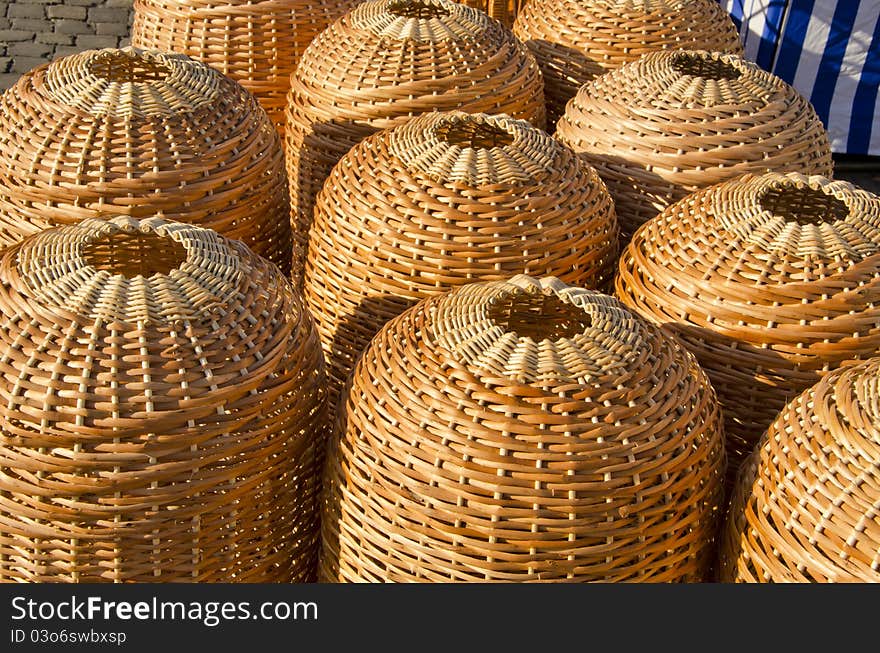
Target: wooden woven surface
131,132
161,409
770,280
444,200
805,509
523,431
674,122
389,60
501,10
577,40
256,43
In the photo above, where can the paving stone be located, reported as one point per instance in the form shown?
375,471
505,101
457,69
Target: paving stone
67,11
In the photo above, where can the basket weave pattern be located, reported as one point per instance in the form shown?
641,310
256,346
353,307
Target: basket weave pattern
109,132
445,200
805,507
501,10
674,122
258,44
577,40
769,280
389,60
162,409
523,431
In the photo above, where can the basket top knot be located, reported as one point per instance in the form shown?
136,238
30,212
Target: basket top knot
420,20
682,84
477,149
125,270
545,334
127,81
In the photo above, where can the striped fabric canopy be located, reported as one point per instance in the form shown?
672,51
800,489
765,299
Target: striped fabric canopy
829,50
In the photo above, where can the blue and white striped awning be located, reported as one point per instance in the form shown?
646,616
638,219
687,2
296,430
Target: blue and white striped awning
829,50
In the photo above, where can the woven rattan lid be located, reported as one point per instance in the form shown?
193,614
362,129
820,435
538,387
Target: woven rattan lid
136,323
775,258
545,335
673,122
399,57
805,508
475,150
127,82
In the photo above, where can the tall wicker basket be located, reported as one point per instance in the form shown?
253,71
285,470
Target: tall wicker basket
162,412
445,200
256,43
577,40
770,280
805,508
523,431
109,132
389,60
674,122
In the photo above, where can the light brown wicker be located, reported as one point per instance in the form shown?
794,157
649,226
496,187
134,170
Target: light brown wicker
674,122
109,132
770,280
445,200
523,431
502,10
257,43
577,40
162,409
389,60
805,508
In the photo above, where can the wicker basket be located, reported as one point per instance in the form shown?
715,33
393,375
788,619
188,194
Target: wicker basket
502,10
523,431
444,200
162,409
805,508
577,40
130,132
389,60
770,280
256,43
674,122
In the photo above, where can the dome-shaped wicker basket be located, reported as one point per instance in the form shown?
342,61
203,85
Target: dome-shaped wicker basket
162,409
445,200
805,507
389,60
577,40
523,431
674,122
770,280
256,43
130,132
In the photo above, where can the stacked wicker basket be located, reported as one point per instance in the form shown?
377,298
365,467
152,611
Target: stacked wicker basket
674,122
163,396
444,200
521,431
257,43
162,409
771,281
385,62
